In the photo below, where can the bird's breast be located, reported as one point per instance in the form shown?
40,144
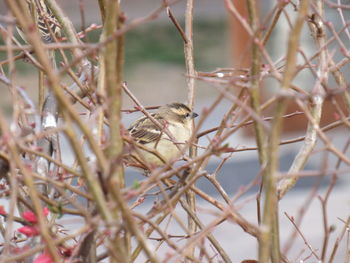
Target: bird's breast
180,132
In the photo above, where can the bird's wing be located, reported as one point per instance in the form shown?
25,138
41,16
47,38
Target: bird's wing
145,131
44,18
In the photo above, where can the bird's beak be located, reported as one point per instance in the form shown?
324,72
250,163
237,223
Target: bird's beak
194,115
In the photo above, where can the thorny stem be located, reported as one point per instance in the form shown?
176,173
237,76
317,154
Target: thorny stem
255,80
67,26
211,238
132,226
119,219
269,241
274,22
255,88
190,70
316,105
102,5
113,62
32,191
26,23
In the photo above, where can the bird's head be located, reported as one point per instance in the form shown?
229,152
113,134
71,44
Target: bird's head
177,112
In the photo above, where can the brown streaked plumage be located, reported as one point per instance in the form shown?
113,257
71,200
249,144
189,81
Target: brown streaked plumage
177,118
45,20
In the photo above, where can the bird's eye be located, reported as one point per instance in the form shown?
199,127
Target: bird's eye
187,115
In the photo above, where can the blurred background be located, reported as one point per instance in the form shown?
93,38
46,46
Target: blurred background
154,59
155,73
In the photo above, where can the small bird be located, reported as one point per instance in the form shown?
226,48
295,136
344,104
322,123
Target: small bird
157,147
46,21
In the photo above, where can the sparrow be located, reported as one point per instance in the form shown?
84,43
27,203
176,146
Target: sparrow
46,21
156,147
